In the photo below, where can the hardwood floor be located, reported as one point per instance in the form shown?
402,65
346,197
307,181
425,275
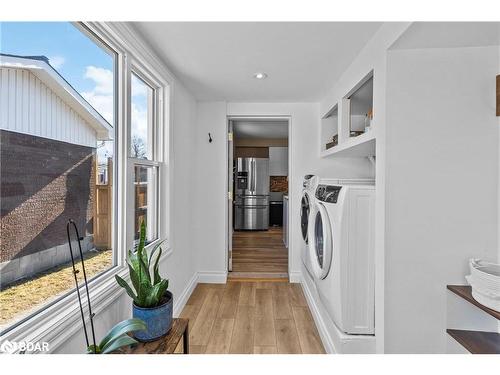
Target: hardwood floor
252,317
259,254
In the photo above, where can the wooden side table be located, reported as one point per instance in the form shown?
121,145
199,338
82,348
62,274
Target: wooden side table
166,344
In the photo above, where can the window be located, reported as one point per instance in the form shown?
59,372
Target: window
141,119
146,195
63,129
58,129
143,155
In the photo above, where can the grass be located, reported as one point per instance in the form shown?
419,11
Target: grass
25,296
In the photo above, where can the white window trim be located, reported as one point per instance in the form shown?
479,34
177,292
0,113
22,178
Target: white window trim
58,322
157,153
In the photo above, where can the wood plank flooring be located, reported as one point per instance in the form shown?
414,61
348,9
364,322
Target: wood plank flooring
251,317
259,254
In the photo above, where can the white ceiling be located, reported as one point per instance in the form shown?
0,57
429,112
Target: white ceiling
449,34
260,129
217,60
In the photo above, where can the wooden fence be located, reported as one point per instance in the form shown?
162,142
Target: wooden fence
103,208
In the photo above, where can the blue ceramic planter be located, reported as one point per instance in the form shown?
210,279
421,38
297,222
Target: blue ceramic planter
158,319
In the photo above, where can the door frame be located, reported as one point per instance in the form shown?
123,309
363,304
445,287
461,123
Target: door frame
229,202
230,195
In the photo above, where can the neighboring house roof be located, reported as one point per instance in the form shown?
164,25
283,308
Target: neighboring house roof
41,68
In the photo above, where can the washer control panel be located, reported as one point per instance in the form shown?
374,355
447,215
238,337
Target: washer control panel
328,193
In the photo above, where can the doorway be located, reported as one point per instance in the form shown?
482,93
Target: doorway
257,181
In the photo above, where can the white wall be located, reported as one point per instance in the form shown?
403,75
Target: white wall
209,196
442,183
180,266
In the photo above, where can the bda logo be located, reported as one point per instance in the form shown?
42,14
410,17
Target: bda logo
23,347
8,347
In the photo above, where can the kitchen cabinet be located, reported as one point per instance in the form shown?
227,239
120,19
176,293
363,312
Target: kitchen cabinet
278,161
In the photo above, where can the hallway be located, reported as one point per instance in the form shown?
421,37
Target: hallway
260,317
259,254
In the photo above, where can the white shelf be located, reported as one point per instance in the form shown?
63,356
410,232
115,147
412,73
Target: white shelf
361,146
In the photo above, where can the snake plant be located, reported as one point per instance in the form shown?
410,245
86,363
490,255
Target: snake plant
148,287
117,337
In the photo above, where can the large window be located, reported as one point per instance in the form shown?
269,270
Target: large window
75,144
57,132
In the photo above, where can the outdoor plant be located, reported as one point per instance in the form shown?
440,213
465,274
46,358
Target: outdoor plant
117,337
148,287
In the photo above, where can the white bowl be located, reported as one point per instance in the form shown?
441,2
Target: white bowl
481,288
483,283
484,280
485,270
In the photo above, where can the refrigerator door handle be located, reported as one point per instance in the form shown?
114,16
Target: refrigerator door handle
254,176
250,178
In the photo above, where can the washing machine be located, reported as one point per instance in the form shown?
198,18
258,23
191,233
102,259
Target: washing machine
307,201
341,249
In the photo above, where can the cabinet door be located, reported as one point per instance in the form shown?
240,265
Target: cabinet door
278,161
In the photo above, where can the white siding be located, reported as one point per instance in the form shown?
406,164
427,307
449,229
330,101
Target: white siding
28,106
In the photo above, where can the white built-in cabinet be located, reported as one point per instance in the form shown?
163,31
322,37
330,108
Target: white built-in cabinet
278,161
347,128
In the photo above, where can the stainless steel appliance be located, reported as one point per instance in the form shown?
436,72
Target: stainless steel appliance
252,194
276,213
275,209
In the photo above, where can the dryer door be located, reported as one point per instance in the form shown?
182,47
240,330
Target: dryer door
321,242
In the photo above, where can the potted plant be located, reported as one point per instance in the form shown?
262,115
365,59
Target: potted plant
117,337
152,302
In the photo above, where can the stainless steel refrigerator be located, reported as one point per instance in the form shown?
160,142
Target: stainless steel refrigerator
251,210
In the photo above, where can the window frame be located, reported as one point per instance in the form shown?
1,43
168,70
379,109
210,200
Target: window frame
58,321
142,73
154,108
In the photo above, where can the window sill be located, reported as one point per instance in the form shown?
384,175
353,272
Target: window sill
60,321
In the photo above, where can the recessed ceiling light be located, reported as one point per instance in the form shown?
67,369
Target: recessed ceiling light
260,75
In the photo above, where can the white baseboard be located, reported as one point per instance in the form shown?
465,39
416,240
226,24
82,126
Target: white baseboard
318,319
212,277
295,277
198,277
181,300
334,340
